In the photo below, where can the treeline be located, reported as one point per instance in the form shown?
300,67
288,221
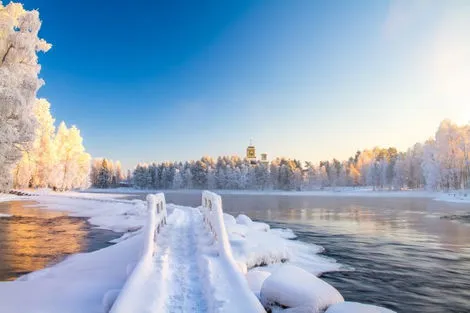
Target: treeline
106,173
441,163
56,159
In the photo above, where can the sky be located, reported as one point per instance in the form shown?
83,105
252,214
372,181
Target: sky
176,80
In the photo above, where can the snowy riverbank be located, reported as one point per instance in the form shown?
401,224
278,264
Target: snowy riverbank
79,283
454,196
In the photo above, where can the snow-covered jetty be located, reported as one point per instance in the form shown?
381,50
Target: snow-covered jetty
187,265
183,259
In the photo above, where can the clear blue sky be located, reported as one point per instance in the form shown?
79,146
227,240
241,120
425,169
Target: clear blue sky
175,80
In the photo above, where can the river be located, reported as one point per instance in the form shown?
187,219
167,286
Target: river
406,253
32,238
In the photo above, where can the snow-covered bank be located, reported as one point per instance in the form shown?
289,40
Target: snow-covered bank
338,192
82,281
4,197
455,197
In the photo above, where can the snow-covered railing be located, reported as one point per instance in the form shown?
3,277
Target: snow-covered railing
214,220
157,216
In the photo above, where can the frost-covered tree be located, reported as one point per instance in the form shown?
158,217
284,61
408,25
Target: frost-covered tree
142,177
73,166
118,173
431,166
104,178
19,82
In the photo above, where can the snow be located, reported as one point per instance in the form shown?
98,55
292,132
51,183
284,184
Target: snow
76,285
156,220
87,282
255,279
4,197
455,197
5,215
238,291
293,287
245,220
354,307
327,192
285,233
255,247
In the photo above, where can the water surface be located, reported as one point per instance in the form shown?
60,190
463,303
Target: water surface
405,256
32,238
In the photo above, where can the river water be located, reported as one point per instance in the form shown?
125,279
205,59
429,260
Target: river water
407,254
32,238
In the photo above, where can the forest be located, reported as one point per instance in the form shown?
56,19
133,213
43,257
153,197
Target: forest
440,163
34,154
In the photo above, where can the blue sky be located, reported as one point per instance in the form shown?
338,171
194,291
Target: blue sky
175,80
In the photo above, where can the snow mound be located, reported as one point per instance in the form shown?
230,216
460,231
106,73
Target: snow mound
254,247
229,219
256,279
293,287
109,298
242,219
354,307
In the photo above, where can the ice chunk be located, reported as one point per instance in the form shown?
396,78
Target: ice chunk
354,307
294,287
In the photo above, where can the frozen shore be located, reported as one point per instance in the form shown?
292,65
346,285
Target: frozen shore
81,281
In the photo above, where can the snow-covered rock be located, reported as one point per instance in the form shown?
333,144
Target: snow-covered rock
294,287
354,307
243,219
256,279
229,219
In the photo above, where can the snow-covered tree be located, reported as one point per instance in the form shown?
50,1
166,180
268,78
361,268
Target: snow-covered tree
19,82
104,178
73,167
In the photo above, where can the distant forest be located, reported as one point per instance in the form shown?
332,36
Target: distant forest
441,163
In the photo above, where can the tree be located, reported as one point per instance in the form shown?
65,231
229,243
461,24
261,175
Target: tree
118,173
105,176
43,151
19,82
73,168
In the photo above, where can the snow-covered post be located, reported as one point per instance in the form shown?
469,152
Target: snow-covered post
214,219
213,215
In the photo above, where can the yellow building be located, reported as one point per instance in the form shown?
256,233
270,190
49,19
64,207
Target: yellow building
251,155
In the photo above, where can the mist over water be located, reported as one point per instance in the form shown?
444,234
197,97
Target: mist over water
407,254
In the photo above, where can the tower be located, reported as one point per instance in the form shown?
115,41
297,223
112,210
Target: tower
251,153
264,159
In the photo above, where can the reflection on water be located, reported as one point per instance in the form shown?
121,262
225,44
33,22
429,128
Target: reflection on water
32,238
406,257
